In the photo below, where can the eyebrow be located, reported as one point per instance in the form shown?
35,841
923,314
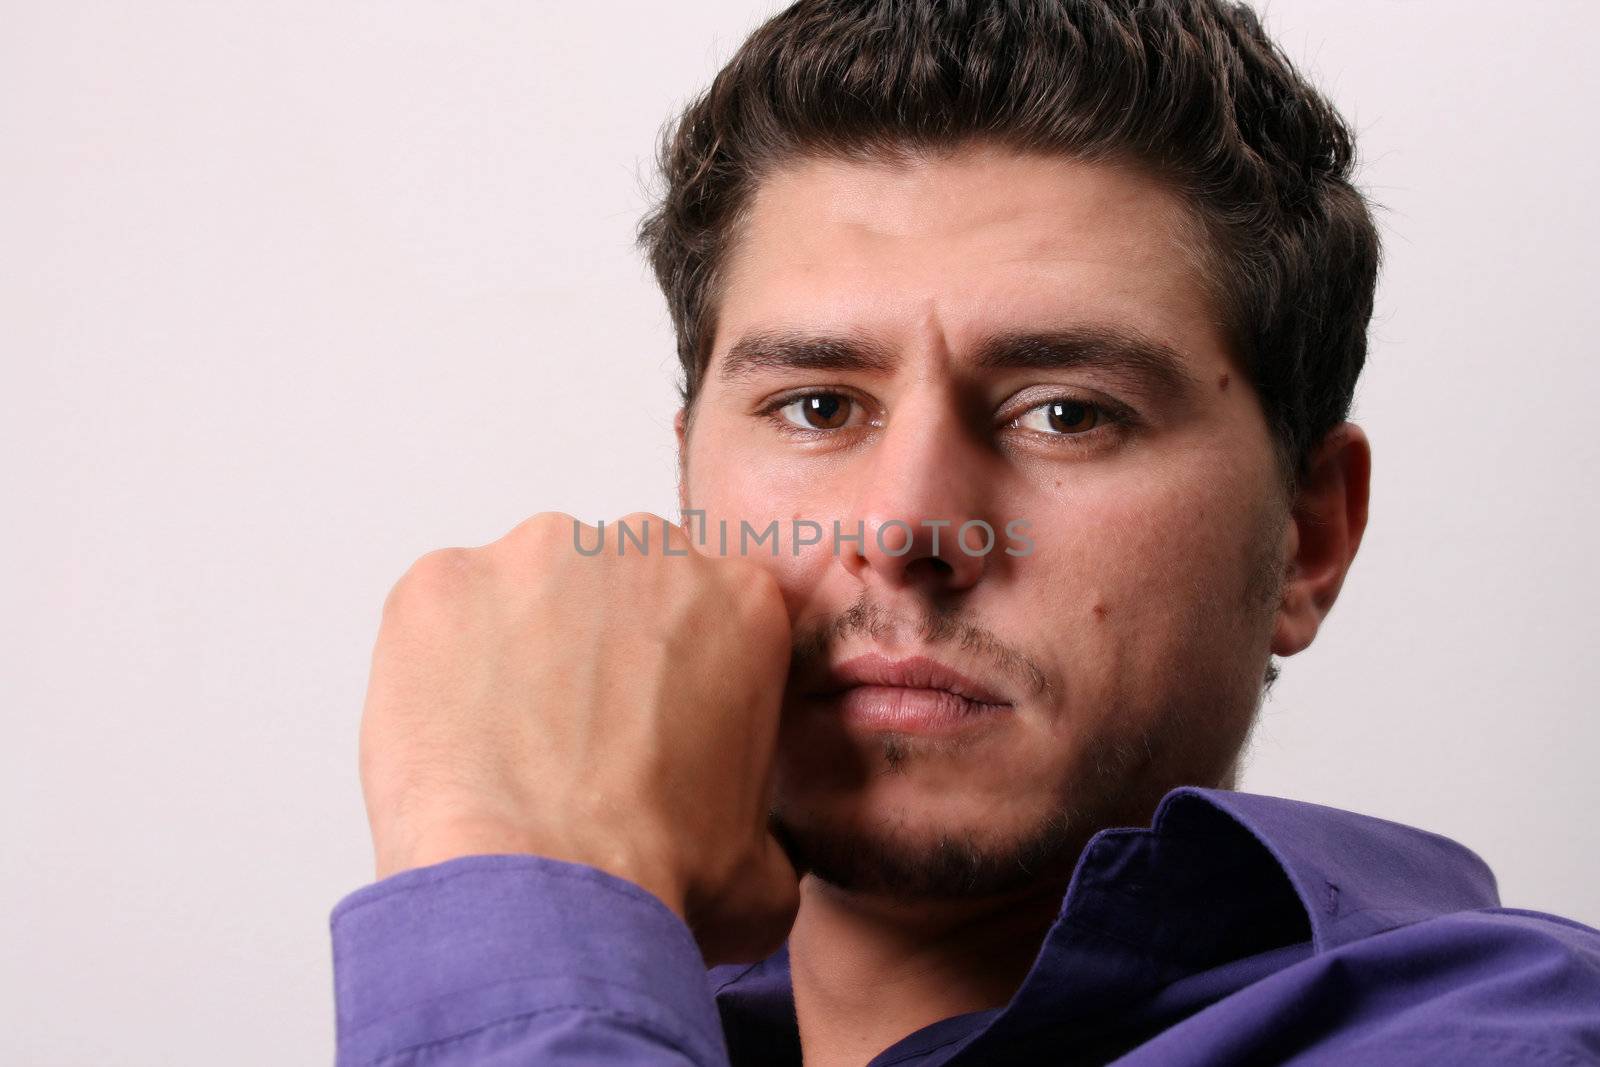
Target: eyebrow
793,350
1139,361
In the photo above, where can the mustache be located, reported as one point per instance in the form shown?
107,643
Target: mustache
812,639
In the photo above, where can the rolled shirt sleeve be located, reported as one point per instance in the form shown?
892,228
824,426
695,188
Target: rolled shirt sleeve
514,959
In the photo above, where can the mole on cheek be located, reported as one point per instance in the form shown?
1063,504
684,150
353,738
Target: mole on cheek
1101,611
1222,382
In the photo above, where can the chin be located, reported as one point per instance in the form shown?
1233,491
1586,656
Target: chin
906,838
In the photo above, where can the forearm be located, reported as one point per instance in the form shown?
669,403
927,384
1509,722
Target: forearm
513,959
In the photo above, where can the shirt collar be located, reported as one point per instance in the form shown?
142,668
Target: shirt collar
1354,875
1218,876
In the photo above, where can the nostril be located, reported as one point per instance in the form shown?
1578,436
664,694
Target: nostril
939,567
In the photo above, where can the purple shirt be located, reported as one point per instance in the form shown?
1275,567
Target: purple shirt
1239,929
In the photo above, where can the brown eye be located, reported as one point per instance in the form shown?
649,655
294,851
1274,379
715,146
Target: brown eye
818,411
1069,416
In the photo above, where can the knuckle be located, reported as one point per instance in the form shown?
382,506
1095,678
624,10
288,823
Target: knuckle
443,568
656,530
635,522
681,541
644,535
436,575
543,530
540,544
758,590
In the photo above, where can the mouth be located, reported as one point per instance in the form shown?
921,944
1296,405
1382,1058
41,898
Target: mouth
915,695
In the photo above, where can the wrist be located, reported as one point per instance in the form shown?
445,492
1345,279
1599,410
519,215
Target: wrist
473,838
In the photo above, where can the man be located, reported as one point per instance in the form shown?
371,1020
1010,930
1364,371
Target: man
1018,341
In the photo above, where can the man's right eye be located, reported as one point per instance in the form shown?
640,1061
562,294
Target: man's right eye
818,411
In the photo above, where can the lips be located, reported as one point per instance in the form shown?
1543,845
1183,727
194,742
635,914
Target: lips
914,673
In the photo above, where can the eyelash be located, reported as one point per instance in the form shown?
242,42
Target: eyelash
1109,418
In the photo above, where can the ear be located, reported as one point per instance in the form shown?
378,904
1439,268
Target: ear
1326,522
680,426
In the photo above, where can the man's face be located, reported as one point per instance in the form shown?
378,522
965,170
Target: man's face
996,337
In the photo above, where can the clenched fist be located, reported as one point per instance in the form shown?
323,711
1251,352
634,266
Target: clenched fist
614,710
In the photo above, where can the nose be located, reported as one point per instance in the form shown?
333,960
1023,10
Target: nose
920,504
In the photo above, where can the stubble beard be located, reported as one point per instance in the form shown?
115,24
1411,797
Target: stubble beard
1117,783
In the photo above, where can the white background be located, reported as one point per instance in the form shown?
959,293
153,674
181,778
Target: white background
291,293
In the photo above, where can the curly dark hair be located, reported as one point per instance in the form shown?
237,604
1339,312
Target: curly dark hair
1191,91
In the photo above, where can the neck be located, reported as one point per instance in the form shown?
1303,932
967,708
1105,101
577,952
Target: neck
868,970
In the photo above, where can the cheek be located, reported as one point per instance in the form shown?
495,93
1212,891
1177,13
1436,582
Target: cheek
1139,585
741,500
1136,550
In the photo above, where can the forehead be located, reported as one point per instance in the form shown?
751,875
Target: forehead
963,246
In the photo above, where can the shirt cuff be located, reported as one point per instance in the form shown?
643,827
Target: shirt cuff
436,952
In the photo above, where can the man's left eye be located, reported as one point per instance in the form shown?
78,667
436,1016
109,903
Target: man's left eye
1065,417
